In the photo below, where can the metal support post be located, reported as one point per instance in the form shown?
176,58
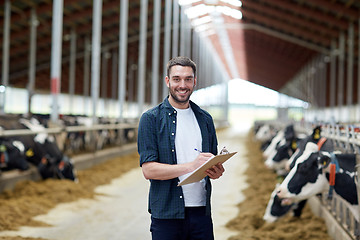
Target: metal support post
156,53
72,69
87,50
175,40
332,74
123,56
142,56
350,65
32,56
95,56
56,49
167,43
341,70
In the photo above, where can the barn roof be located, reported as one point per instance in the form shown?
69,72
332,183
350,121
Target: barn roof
272,42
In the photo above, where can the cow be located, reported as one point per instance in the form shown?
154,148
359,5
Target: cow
12,151
310,176
276,207
280,139
12,155
286,153
284,149
265,134
43,152
279,158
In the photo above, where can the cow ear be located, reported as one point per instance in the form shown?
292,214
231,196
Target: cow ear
316,133
323,160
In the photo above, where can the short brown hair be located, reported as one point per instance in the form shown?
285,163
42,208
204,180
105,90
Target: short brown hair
182,61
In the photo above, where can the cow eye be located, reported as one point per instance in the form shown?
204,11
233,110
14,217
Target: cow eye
323,161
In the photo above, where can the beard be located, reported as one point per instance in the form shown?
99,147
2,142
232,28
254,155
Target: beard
177,99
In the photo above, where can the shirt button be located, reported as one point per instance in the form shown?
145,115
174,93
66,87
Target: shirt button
180,196
172,134
173,121
174,111
172,150
169,114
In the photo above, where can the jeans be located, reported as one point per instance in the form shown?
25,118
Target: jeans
195,226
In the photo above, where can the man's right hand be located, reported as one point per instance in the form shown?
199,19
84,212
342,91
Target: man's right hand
162,171
201,159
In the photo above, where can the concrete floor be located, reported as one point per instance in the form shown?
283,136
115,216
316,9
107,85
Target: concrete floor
120,211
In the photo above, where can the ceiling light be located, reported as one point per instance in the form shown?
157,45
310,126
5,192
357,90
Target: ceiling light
235,3
201,21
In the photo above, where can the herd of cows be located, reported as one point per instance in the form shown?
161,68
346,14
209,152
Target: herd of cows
50,153
308,165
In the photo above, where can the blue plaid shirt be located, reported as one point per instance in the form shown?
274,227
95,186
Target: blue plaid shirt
156,143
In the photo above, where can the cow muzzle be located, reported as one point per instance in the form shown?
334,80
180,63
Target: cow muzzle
282,193
284,196
286,202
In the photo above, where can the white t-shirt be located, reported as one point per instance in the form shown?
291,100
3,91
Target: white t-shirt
187,138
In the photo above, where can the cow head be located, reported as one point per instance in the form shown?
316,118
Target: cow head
306,178
289,132
265,133
274,143
51,168
12,155
323,145
275,208
66,169
280,158
310,175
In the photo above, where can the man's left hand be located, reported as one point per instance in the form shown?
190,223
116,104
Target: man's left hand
216,171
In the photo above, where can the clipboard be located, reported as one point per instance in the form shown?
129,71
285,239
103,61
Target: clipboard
199,173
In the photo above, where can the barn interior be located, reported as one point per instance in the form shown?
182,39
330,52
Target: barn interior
105,62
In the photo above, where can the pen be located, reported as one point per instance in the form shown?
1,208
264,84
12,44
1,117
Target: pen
197,150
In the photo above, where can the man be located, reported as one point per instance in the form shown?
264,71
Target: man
168,135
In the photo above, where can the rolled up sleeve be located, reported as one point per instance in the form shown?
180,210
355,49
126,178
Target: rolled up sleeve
147,142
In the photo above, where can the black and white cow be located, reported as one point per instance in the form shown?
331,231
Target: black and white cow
12,155
12,151
324,144
276,207
310,176
280,139
265,133
284,150
43,152
279,158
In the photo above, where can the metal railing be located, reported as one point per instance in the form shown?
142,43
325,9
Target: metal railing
346,139
57,130
79,139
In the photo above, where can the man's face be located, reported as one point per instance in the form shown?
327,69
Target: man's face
181,84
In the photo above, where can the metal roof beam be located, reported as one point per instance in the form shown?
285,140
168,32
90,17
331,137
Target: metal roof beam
340,10
308,13
285,16
283,26
280,35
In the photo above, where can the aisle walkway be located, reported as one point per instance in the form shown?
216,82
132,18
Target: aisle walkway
120,212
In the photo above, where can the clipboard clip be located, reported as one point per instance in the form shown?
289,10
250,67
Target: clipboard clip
224,151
